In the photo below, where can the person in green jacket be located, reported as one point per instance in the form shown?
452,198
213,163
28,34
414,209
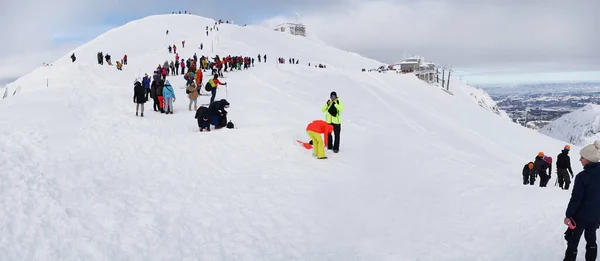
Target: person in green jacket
333,109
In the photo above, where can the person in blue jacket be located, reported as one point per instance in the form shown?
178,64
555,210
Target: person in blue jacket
583,212
146,83
169,96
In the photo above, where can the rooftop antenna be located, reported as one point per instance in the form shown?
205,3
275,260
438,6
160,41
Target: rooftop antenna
297,18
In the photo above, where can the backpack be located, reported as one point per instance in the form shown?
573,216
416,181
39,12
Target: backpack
332,110
230,125
208,87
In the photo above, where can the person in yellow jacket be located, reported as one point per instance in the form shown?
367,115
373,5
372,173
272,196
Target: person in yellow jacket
333,109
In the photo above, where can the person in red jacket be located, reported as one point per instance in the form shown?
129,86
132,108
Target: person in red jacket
314,130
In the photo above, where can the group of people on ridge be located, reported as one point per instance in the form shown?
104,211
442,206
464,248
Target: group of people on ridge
542,167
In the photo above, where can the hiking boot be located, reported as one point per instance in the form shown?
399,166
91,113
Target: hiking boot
570,255
336,151
322,158
136,114
142,114
590,253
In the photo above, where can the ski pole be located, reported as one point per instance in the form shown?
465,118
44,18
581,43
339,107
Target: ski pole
226,92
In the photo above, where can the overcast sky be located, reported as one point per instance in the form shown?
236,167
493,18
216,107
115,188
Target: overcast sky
478,37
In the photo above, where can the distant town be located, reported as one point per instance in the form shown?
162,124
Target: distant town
536,105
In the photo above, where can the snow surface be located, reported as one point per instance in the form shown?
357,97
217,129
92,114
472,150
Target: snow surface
421,175
581,127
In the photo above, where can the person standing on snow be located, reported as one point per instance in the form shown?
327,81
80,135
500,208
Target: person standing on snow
333,109
100,59
563,168
192,91
212,85
154,95
540,167
182,44
146,83
182,67
174,49
583,211
169,97
528,174
177,65
314,131
139,96
73,58
125,60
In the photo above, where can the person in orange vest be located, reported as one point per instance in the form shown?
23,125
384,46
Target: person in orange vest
199,77
314,131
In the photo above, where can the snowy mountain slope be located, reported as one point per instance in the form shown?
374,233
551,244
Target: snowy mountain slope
421,175
482,98
580,127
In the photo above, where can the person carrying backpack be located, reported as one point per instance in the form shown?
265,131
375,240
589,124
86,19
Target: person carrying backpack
211,86
333,109
140,96
540,167
583,211
169,97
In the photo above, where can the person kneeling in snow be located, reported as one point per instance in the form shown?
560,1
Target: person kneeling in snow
314,131
218,113
203,117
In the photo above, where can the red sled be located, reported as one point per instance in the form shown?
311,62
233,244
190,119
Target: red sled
305,144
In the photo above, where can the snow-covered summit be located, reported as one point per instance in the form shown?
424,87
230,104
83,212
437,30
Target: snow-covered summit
580,127
421,174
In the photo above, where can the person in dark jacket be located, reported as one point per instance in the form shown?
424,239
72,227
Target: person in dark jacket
140,96
203,117
218,113
153,89
540,167
528,174
100,59
159,94
73,58
583,211
563,168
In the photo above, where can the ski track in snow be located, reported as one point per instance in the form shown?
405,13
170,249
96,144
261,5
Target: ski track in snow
421,175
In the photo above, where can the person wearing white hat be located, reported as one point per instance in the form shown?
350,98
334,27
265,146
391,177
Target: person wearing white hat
583,212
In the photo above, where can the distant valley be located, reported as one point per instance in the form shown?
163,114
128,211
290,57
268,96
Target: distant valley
536,105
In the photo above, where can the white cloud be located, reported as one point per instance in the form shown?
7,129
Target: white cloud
499,34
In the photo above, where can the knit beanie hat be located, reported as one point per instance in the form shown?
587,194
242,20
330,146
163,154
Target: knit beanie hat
591,152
